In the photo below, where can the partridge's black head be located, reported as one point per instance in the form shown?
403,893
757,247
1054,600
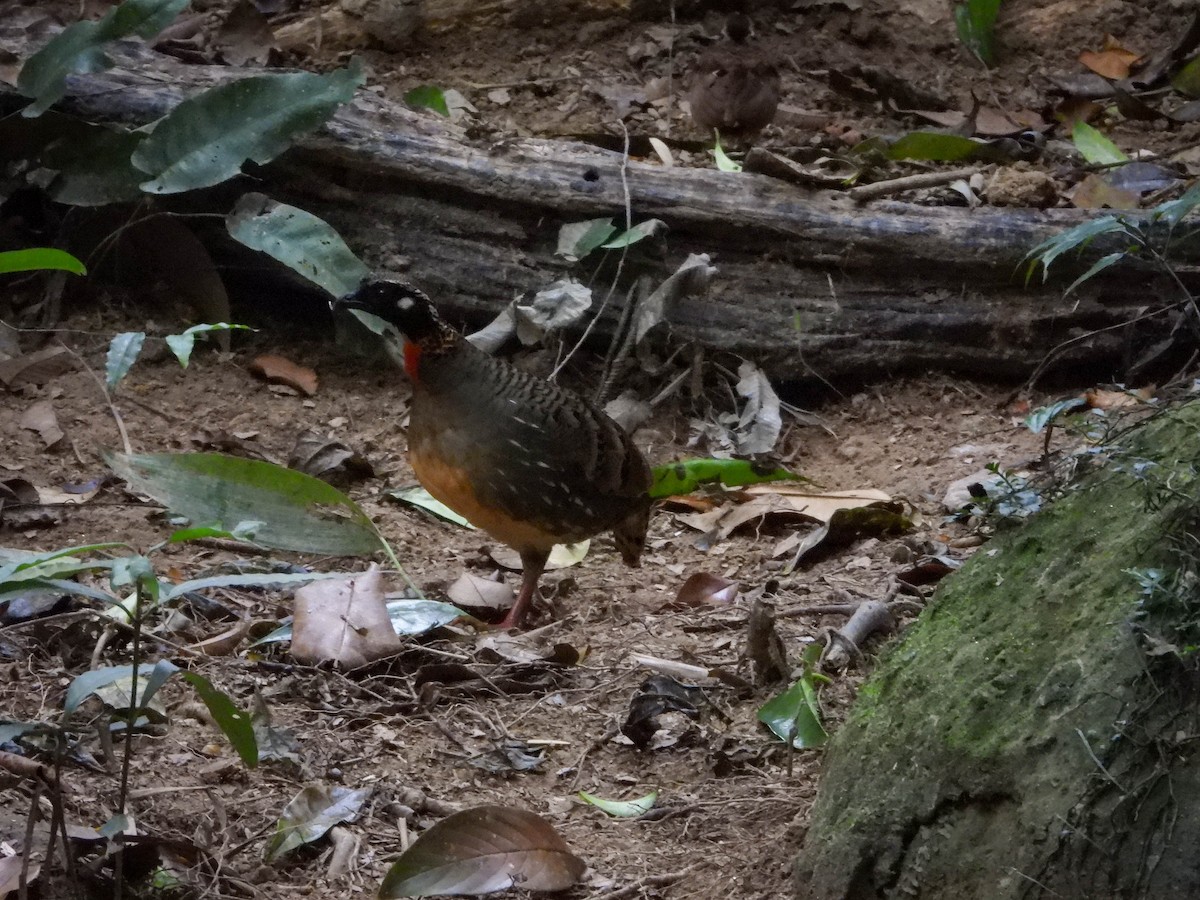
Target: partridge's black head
397,303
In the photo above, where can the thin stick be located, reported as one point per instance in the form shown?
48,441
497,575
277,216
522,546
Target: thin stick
638,887
907,183
128,447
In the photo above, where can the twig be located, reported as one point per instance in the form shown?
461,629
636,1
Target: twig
907,183
528,82
107,398
1099,765
649,881
870,617
620,260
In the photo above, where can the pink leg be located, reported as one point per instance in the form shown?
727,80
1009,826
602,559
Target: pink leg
534,563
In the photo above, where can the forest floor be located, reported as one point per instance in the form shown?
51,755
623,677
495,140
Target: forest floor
426,731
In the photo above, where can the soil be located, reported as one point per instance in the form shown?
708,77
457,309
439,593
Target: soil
733,801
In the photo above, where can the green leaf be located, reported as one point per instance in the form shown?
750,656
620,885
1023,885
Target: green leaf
636,233
1175,211
258,580
1044,415
206,138
182,344
79,48
976,24
427,96
622,809
1187,79
229,717
93,162
243,531
577,239
421,498
311,813
674,479
1077,238
54,562
1095,147
1096,268
90,682
298,512
38,258
123,352
299,240
724,163
796,708
136,572
933,145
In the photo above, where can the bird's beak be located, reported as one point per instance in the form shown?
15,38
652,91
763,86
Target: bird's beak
346,301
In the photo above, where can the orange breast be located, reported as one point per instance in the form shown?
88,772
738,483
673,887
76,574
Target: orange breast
452,487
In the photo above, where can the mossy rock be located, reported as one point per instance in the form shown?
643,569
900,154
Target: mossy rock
1034,734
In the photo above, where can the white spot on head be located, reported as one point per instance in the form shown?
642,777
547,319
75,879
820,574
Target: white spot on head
404,304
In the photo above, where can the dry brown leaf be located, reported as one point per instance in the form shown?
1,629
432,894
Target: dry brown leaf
344,621
226,642
278,370
40,417
474,592
1114,61
35,368
1098,398
705,589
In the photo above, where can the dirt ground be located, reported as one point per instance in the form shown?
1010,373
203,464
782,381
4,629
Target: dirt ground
733,803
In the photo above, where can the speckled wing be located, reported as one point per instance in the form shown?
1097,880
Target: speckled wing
534,452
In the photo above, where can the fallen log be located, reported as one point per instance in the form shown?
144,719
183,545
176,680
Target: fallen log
810,285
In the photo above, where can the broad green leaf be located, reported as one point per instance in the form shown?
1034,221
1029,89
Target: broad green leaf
685,476
123,352
796,708
427,96
622,809
976,24
38,258
577,239
89,682
1044,415
229,717
419,497
933,145
183,343
636,233
298,239
298,512
1095,147
79,48
206,139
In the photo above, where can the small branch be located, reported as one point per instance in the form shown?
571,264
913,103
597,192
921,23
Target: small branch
871,616
637,888
879,189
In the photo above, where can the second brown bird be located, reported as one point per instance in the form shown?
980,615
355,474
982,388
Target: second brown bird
734,87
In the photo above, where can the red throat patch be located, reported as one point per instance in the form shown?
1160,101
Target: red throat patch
412,359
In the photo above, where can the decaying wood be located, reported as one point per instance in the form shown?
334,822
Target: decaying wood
810,285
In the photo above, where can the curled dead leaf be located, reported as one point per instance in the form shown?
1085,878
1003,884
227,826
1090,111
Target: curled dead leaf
278,370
